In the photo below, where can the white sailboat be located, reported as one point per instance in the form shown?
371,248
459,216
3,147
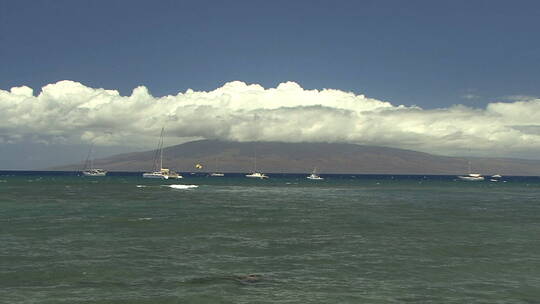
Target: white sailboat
314,175
216,173
94,172
471,177
255,173
159,172
89,169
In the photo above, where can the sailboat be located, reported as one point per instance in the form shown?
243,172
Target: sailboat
89,169
255,173
314,175
216,173
159,172
471,177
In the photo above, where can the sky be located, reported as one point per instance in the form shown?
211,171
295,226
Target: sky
445,77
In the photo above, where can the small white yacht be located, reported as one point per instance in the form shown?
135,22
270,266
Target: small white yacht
471,177
216,173
159,172
162,174
89,169
257,175
94,172
314,175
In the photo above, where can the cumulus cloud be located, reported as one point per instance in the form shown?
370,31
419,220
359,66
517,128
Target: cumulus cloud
68,112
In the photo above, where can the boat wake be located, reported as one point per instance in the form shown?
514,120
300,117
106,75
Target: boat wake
140,219
182,186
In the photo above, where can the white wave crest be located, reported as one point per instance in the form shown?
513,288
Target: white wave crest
183,186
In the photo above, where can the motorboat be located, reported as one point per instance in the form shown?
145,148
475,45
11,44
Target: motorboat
257,175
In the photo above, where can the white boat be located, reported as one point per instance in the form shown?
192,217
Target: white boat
162,174
159,172
89,169
496,176
314,175
216,174
472,177
256,175
94,172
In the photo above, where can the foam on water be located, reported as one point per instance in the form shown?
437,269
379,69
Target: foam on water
182,186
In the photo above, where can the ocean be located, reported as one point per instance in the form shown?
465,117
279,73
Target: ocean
346,239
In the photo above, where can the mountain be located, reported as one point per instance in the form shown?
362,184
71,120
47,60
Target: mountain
279,157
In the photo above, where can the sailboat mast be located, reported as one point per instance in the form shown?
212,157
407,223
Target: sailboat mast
255,158
88,162
161,150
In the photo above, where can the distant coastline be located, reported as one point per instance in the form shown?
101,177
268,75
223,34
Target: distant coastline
330,158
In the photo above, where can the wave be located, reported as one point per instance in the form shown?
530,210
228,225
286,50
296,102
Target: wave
182,186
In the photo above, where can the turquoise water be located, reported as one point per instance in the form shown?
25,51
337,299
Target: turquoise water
347,239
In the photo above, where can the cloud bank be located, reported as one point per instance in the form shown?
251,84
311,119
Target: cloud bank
68,112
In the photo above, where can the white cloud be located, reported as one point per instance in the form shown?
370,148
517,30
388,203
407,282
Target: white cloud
70,113
519,98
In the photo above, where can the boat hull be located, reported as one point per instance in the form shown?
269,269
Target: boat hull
471,178
94,174
256,175
154,176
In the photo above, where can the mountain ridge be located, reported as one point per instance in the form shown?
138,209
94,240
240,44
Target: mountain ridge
280,157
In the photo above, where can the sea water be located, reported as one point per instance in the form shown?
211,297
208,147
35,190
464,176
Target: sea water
345,239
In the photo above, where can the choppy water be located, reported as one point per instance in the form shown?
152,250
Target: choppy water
347,239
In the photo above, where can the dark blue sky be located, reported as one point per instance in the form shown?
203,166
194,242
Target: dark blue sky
428,53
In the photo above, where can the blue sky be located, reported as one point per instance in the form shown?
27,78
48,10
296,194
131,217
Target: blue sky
426,53
466,73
